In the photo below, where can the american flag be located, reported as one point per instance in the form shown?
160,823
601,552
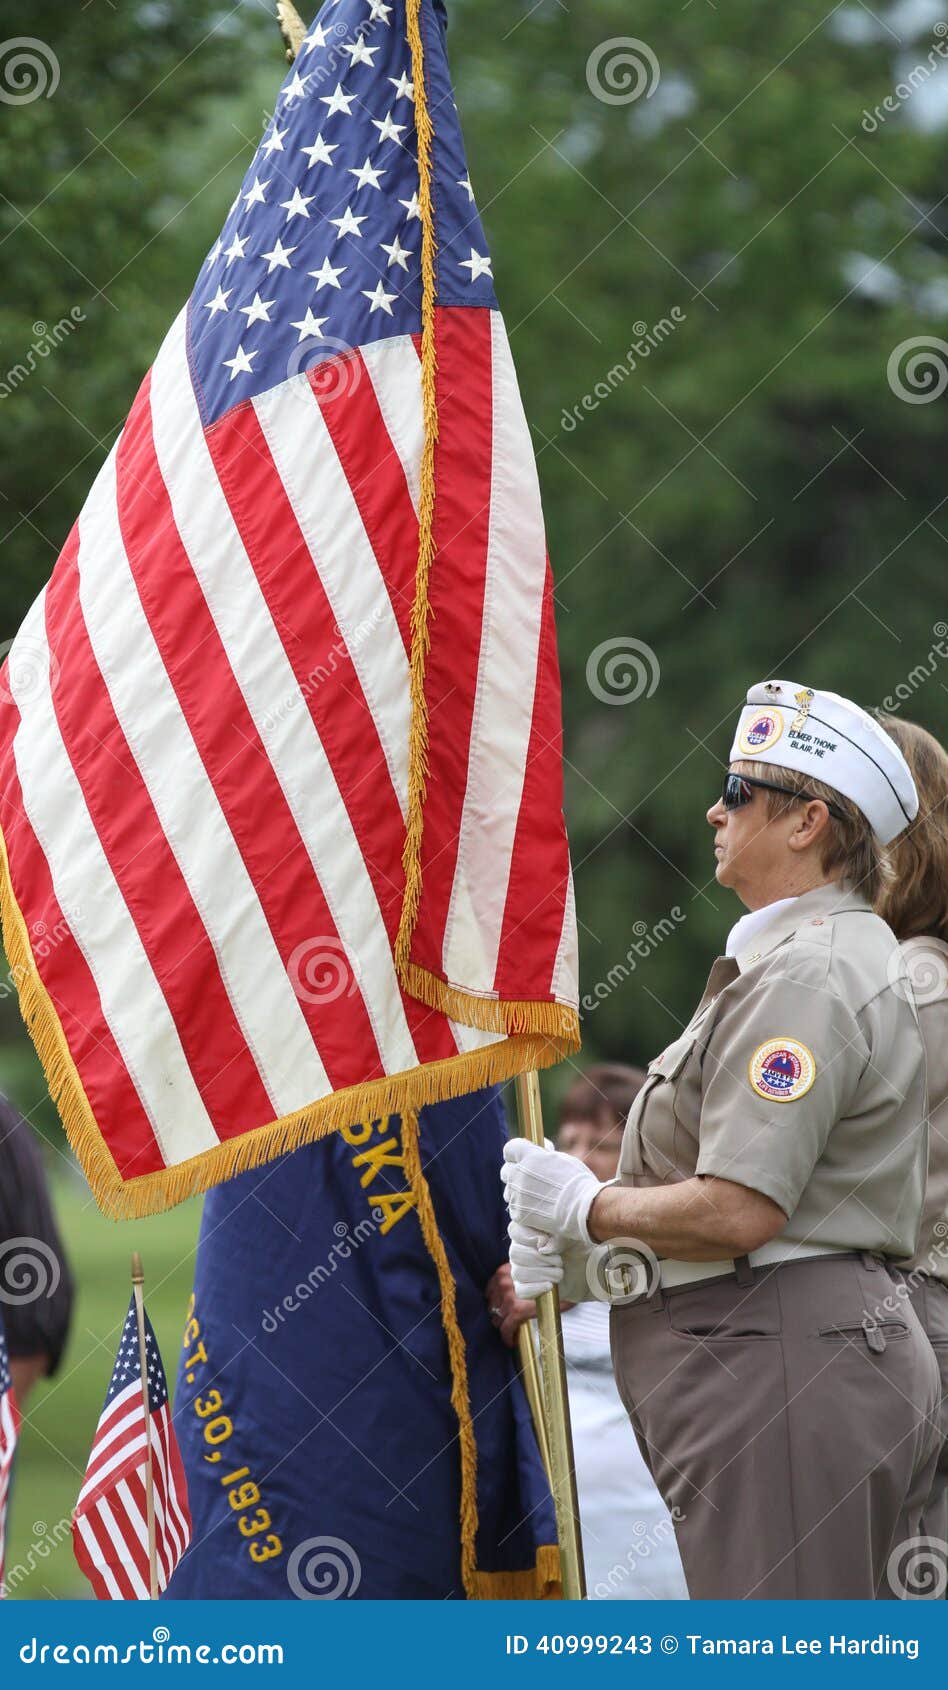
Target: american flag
212,737
9,1432
110,1524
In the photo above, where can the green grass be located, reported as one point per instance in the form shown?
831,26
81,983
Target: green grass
62,1413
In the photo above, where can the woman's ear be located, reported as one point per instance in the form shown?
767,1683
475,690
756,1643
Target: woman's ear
811,824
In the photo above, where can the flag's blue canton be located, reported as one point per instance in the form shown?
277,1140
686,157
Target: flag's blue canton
127,1365
321,249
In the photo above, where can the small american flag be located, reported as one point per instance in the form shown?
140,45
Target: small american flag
9,1432
110,1525
213,768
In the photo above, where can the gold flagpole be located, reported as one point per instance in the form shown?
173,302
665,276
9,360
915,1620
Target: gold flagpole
533,1385
138,1282
556,1400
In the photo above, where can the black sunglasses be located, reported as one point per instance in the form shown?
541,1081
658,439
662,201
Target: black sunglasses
738,791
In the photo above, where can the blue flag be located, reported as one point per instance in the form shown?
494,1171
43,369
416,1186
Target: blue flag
320,1411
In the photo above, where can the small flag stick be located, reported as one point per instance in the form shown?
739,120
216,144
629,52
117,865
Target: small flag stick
553,1365
138,1282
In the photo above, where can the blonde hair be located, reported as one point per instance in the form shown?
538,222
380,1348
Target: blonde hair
849,850
914,899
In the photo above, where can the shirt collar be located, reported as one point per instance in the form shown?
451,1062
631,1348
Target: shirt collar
788,915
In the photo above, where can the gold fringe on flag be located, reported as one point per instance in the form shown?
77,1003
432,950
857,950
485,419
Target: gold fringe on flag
421,608
532,1583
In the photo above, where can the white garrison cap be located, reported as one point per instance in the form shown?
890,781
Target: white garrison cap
833,740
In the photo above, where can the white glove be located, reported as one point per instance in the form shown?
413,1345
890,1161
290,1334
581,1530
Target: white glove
538,1262
549,1191
535,1263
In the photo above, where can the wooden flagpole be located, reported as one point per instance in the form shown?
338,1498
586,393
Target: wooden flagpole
138,1283
553,1369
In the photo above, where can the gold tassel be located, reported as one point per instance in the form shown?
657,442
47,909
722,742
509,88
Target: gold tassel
541,1583
420,613
460,1396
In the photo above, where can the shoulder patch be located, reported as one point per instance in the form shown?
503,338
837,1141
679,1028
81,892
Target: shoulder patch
782,1070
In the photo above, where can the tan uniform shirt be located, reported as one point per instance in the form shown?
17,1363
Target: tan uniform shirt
927,963
801,1075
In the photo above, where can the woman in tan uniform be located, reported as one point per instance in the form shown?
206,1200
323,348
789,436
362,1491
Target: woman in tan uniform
772,1165
914,902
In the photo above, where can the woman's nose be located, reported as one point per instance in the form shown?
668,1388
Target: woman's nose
717,814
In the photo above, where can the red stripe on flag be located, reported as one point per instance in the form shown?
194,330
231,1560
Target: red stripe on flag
461,532
533,921
325,673
374,472
131,835
231,749
66,975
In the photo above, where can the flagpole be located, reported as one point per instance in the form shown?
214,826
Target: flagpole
138,1282
553,1366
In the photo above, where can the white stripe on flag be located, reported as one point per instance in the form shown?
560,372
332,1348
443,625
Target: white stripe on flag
123,1548
265,676
132,1000
395,372
565,982
177,1518
136,1519
506,685
87,1533
323,504
194,823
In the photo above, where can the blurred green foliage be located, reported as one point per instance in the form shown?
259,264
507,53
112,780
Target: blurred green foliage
751,498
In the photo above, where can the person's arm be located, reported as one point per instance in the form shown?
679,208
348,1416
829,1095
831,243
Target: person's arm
695,1220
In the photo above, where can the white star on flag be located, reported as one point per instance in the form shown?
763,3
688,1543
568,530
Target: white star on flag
404,88
279,258
338,101
294,89
378,12
358,52
397,254
317,39
240,364
366,175
219,302
274,142
325,276
378,299
310,326
412,208
347,224
477,264
296,205
236,248
256,194
388,131
465,182
258,311
321,151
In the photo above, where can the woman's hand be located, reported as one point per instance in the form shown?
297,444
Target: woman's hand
507,1311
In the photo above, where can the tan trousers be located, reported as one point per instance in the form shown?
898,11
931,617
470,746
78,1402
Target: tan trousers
791,1425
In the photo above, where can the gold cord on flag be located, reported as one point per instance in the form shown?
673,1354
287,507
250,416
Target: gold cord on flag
421,609
541,1581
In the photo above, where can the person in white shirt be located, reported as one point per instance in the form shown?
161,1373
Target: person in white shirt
628,1534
